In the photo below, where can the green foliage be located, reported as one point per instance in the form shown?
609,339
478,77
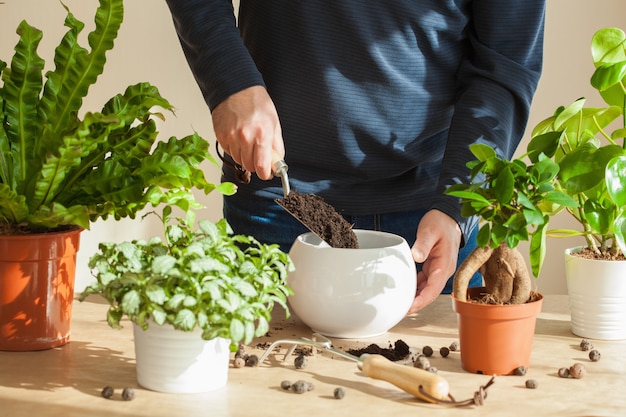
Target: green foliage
202,276
572,163
591,158
59,169
512,199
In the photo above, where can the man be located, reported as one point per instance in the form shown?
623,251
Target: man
373,104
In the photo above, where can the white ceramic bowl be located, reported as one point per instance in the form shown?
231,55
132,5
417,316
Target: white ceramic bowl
352,293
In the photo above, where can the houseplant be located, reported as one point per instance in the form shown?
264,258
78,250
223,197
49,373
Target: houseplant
512,199
60,171
589,145
201,283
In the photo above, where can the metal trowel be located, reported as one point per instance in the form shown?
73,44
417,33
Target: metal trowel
280,168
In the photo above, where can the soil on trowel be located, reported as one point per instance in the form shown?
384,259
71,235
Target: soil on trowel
399,351
321,218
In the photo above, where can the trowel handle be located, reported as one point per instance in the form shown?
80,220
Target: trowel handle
412,380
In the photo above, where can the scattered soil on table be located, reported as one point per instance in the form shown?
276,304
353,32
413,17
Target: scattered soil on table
397,352
321,218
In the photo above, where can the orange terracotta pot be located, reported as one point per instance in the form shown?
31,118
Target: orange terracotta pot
495,339
36,289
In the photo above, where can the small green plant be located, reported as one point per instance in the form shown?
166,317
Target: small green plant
512,200
199,277
592,157
59,168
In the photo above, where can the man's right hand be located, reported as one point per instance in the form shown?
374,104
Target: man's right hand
247,128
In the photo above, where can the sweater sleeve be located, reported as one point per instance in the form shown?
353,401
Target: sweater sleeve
496,83
213,47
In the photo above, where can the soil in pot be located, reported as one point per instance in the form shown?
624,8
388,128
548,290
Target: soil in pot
321,218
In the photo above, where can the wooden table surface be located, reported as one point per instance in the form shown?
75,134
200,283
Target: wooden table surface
67,381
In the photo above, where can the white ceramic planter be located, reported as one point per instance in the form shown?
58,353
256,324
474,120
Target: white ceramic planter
597,296
174,361
352,293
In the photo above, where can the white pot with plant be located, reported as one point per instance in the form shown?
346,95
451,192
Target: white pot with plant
201,289
592,169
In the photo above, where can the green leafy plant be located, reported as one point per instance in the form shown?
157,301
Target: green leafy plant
199,277
592,157
60,169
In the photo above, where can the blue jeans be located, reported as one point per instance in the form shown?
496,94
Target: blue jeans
269,223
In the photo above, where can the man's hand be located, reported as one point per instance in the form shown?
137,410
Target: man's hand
437,247
247,128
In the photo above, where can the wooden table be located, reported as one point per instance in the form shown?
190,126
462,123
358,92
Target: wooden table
67,381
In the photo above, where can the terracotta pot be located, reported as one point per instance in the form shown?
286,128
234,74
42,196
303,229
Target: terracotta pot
495,339
597,296
36,289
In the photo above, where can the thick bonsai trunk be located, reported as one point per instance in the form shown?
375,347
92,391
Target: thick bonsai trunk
504,270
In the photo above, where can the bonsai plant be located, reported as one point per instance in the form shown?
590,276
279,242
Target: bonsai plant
497,321
200,278
589,145
60,170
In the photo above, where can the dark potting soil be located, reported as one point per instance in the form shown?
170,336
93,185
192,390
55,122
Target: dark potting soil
399,351
321,218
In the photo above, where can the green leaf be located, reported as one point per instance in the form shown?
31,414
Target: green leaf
584,168
616,180
155,294
237,330
131,302
545,143
185,319
504,186
482,152
620,229
162,265
608,74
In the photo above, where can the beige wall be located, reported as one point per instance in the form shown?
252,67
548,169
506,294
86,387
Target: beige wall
147,50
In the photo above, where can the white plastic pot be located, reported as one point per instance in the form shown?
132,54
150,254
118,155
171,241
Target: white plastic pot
175,361
597,296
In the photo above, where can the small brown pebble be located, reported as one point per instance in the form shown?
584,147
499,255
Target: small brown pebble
107,392
531,383
339,393
520,370
128,394
300,386
585,345
286,385
239,362
454,346
253,360
422,362
427,351
563,372
300,362
444,352
594,355
577,370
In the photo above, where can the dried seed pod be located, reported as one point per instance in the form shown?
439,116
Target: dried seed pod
432,369
520,370
128,394
531,383
563,372
427,351
577,370
300,362
339,393
239,362
594,355
286,385
107,392
444,352
241,352
454,346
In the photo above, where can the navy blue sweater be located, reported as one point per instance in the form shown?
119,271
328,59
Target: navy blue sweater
378,100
